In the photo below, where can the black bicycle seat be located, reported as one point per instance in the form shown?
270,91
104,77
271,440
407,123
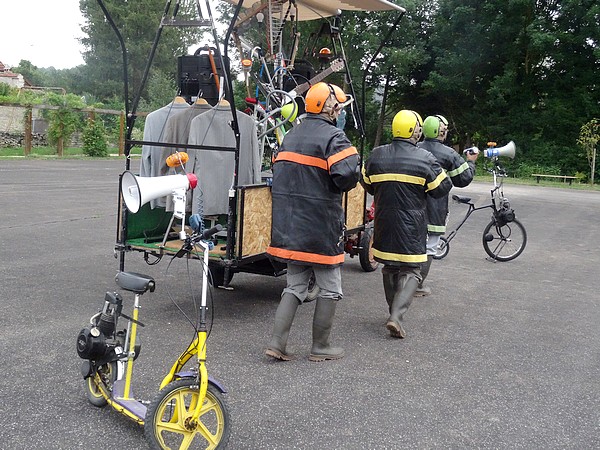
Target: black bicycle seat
461,199
135,282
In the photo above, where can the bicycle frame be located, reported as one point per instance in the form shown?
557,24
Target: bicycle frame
504,237
471,210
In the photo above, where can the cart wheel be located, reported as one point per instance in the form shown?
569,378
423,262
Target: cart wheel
365,254
217,276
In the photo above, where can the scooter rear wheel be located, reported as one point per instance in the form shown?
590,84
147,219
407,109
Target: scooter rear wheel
107,374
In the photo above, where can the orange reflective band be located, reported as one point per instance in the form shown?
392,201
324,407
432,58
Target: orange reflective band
305,257
302,159
341,155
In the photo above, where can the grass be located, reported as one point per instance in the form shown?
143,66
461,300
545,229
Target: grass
531,181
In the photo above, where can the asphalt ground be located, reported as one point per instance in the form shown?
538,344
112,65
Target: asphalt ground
501,355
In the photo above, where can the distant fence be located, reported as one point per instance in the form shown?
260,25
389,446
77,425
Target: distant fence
17,120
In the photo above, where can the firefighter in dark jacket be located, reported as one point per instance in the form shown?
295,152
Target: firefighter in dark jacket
401,176
460,172
315,164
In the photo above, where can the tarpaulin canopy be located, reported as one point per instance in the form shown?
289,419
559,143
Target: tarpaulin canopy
316,9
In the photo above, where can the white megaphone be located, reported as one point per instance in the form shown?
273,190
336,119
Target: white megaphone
507,150
137,191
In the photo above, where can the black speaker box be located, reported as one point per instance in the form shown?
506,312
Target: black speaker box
195,76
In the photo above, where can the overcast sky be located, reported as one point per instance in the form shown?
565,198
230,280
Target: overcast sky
43,32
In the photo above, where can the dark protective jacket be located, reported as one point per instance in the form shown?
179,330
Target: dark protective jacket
401,175
459,171
315,164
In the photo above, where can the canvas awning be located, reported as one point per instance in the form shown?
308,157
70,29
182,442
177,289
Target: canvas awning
316,9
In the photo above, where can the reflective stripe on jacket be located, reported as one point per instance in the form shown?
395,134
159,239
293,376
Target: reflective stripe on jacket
459,171
315,164
401,176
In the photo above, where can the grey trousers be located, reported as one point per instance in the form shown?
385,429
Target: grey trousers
328,279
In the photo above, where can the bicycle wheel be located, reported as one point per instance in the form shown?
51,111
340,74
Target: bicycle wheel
504,243
443,249
107,374
167,418
365,255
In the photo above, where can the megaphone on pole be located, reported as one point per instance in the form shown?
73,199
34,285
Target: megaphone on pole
506,150
137,191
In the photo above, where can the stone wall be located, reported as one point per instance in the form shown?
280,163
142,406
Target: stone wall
12,128
18,140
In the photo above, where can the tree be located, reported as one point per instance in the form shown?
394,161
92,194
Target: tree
589,136
33,74
522,70
94,138
64,121
138,22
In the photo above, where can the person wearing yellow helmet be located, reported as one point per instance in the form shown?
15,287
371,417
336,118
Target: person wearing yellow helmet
400,176
460,172
314,166
407,124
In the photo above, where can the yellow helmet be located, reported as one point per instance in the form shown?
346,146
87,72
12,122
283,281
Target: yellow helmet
405,122
290,111
318,94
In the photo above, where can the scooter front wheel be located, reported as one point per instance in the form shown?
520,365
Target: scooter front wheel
168,424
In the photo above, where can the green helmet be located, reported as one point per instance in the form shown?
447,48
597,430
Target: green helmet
431,126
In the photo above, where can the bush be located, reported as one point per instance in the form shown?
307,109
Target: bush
94,139
525,169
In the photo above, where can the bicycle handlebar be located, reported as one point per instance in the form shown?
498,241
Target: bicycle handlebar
195,238
208,233
498,169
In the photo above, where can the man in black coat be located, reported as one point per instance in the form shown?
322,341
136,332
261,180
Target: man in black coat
314,166
460,172
401,176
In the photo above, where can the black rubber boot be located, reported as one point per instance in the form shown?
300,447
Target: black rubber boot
406,289
281,330
322,323
422,290
390,280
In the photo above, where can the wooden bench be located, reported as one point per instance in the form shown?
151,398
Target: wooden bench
565,178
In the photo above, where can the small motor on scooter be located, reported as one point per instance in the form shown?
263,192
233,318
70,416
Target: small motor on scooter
99,342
